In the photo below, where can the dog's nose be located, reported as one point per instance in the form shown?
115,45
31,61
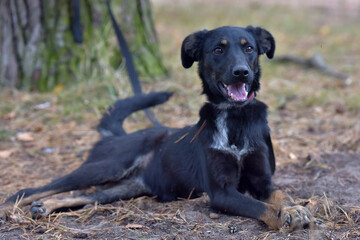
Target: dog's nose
240,71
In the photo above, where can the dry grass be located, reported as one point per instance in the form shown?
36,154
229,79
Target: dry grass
312,117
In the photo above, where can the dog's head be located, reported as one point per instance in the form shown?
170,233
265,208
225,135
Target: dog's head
228,61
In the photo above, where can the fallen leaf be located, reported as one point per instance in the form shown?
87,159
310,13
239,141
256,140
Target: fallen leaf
6,153
58,88
10,115
292,156
214,215
136,226
25,137
38,129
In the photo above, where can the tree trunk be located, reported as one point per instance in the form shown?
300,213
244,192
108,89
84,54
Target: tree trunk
20,35
40,41
137,21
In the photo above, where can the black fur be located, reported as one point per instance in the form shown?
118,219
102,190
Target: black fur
227,153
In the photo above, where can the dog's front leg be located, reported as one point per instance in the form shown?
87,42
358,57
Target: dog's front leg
232,201
279,212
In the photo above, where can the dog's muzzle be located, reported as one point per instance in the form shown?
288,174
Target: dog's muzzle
237,92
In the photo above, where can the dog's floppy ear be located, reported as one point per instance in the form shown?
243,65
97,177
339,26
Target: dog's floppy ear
191,48
264,39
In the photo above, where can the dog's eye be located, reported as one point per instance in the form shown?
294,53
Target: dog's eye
218,51
249,49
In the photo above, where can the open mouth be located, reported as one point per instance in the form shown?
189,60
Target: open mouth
238,92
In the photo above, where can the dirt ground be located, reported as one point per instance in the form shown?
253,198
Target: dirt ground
322,173
332,196
316,142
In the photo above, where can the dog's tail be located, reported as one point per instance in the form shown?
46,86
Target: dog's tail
112,121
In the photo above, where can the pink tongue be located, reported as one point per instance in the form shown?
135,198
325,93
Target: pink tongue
237,91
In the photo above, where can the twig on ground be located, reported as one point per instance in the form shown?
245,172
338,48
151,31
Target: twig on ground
317,62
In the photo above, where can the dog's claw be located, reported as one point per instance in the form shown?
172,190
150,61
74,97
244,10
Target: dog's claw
287,221
36,204
37,210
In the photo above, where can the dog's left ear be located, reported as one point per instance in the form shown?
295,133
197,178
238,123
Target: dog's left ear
191,48
264,39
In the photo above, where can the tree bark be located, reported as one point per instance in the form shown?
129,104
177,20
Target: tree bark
20,35
40,48
138,24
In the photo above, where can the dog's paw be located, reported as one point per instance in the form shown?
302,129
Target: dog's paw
298,217
37,210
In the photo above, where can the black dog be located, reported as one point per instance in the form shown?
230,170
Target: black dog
226,154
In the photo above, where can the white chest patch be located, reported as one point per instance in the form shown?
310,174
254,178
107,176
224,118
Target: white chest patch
221,140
